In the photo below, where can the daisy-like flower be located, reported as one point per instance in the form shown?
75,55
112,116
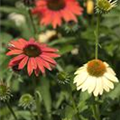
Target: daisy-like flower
95,76
105,5
53,11
36,56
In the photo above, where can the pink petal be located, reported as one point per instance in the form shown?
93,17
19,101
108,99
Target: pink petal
47,49
53,55
22,41
30,67
40,65
16,44
45,63
33,62
14,52
16,60
48,59
23,62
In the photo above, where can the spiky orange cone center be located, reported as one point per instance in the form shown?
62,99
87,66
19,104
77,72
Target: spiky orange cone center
96,68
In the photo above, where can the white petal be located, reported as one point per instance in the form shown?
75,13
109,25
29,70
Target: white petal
110,70
107,65
80,78
86,84
82,84
101,91
108,83
111,77
99,87
79,70
105,87
92,84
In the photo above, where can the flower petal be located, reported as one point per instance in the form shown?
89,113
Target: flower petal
30,67
48,59
14,52
23,62
16,60
40,65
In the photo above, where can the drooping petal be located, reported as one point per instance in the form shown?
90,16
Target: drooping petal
40,66
33,62
56,19
45,64
92,84
16,60
68,16
47,58
23,62
30,67
111,77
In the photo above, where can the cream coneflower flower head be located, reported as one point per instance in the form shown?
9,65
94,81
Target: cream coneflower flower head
95,76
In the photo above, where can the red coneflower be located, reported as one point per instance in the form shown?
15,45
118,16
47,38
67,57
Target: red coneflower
53,11
36,56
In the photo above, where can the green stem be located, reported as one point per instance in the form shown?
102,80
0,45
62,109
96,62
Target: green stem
75,107
95,110
97,36
33,118
32,22
37,101
11,110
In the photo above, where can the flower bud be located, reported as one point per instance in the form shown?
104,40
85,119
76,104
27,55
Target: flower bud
5,93
105,5
26,101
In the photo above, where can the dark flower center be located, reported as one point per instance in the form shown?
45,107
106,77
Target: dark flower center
32,51
56,4
96,68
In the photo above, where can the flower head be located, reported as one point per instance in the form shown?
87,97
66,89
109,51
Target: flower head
63,77
95,76
5,93
26,101
36,56
105,5
53,11
19,19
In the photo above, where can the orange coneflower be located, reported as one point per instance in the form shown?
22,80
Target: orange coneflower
53,11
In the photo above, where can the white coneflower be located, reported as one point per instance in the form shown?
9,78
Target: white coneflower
46,36
95,76
106,5
19,19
